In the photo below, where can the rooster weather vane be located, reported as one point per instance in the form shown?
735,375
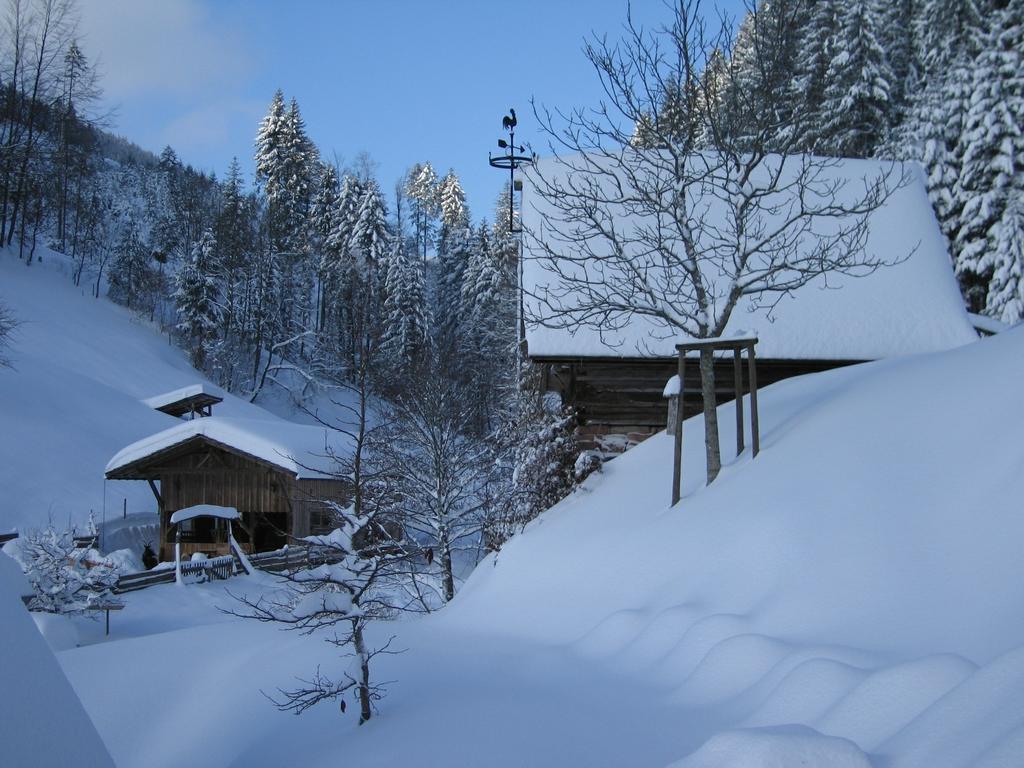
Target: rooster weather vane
514,157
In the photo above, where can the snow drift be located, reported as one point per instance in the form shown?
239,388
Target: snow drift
42,722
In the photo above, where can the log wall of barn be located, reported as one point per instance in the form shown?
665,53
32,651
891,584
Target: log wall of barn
619,401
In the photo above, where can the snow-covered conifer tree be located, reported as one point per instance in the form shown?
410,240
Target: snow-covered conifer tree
421,189
857,103
322,221
810,69
405,317
453,255
132,272
197,298
991,154
1005,299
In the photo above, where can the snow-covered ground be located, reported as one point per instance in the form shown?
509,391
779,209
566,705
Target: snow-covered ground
852,597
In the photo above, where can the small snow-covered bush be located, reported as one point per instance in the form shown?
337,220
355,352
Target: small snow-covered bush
64,578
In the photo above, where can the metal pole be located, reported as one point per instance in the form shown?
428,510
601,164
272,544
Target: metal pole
677,464
737,369
755,430
511,180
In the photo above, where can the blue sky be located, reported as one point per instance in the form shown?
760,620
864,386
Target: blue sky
403,81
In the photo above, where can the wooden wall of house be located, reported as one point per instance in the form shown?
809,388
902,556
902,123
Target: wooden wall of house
312,502
623,397
214,476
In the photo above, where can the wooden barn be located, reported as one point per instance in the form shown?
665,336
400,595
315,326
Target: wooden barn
614,377
278,475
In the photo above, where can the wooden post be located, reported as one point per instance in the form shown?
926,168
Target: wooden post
755,430
737,369
677,466
177,553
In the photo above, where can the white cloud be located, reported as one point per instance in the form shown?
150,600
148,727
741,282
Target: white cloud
212,126
146,47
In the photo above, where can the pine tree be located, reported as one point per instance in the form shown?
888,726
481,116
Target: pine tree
197,296
1005,299
370,236
132,274
322,222
234,234
453,256
339,267
405,320
991,152
815,43
286,162
421,189
371,244
858,102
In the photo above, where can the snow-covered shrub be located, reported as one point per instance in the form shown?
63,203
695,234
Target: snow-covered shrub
540,435
64,578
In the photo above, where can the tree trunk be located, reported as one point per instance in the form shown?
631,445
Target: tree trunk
707,385
365,712
446,572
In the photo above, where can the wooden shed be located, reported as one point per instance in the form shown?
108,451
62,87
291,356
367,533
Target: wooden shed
614,374
278,475
192,401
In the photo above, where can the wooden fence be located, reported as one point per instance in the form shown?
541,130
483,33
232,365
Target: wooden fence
229,565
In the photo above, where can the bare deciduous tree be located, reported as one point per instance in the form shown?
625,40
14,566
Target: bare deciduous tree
705,211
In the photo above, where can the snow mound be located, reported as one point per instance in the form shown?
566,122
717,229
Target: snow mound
784,747
42,722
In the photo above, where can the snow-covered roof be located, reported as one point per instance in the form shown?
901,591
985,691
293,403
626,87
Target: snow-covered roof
205,510
913,306
299,449
184,393
988,325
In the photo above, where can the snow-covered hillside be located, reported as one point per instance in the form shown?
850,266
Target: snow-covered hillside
81,368
852,597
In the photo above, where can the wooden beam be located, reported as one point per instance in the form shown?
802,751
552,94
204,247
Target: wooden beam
755,431
156,494
677,464
737,371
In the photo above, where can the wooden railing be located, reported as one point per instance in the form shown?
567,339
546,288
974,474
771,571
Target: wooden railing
225,566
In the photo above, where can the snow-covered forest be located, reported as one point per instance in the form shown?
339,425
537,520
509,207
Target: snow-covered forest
936,81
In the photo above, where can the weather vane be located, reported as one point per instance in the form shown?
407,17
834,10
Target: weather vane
510,160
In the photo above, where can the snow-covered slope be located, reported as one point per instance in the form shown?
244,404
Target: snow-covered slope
852,597
861,576
41,719
82,366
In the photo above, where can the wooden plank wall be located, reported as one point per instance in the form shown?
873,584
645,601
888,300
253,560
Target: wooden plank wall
624,396
213,476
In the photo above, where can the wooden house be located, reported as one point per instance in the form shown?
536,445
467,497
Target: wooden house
614,376
280,477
